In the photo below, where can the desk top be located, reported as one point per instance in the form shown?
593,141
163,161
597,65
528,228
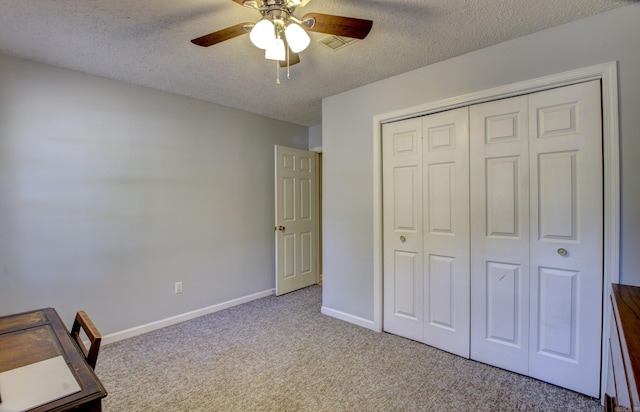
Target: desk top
31,337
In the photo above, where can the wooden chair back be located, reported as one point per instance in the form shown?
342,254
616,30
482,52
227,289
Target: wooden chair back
84,323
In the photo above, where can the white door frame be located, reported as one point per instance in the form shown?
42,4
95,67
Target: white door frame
607,73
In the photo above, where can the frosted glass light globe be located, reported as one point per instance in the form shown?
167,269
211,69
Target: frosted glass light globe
276,50
297,37
263,34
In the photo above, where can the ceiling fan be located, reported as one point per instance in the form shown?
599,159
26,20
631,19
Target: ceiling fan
281,34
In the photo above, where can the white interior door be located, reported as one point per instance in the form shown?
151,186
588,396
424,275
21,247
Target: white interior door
445,192
402,181
295,219
566,236
500,233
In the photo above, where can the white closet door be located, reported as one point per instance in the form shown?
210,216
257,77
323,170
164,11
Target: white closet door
402,204
493,245
500,233
566,236
446,230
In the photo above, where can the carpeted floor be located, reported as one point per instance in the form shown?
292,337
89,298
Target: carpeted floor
282,354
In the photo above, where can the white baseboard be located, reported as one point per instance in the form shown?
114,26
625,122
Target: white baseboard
139,330
356,320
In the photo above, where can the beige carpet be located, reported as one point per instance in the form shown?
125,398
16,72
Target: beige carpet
282,354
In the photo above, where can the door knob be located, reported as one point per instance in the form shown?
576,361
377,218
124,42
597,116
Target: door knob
562,252
403,239
280,228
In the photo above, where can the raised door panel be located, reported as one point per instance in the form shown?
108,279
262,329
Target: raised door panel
557,312
500,233
406,198
557,185
288,199
306,197
504,285
406,299
441,198
566,237
305,256
306,253
288,260
446,230
441,292
502,197
402,216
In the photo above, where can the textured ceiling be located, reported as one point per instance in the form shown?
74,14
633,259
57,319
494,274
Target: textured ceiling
146,42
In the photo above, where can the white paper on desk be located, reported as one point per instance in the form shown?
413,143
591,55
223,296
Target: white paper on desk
36,384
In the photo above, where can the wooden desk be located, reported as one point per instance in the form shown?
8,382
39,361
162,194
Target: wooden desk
31,337
623,385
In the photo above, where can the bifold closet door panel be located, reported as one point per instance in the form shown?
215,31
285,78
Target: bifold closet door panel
565,135
445,193
500,233
402,215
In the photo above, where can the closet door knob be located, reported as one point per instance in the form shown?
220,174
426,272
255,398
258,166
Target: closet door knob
562,252
403,239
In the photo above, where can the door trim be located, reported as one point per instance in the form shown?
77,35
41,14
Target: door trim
607,73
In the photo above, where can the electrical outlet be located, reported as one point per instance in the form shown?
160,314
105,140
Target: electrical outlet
178,287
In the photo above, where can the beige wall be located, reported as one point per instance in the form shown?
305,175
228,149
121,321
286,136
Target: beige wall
110,193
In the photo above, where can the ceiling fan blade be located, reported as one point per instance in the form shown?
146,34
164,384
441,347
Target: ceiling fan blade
240,2
339,26
294,58
222,35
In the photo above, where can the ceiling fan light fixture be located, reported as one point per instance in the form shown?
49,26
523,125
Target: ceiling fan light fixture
276,50
297,37
263,34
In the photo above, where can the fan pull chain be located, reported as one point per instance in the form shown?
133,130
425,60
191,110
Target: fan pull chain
277,72
288,73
